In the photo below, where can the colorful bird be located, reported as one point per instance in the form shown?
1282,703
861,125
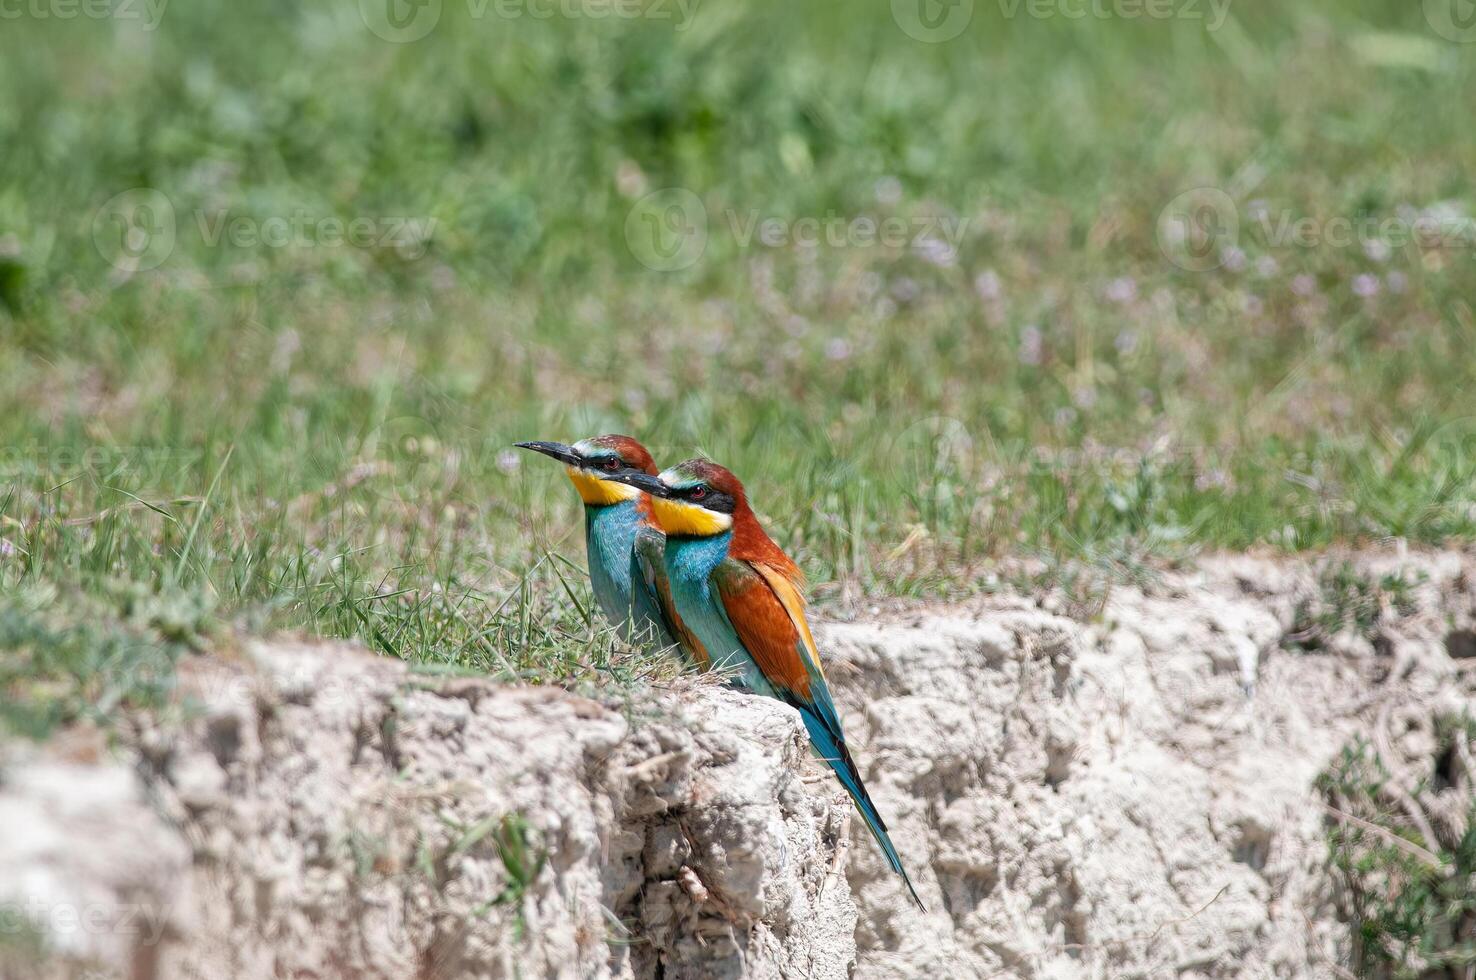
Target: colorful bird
622,541
739,596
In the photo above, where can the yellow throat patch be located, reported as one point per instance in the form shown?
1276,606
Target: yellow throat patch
688,520
597,492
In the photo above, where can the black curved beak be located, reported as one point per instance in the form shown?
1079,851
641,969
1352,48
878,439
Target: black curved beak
642,481
559,451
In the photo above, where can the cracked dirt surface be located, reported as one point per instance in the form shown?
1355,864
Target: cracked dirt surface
1130,797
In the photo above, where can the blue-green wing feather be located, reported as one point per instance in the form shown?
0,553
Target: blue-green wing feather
709,590
645,602
778,639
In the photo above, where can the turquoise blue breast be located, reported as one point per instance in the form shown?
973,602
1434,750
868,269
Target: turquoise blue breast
690,564
610,535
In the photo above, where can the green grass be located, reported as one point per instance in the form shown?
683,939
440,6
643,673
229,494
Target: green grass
1350,601
80,660
1407,898
315,436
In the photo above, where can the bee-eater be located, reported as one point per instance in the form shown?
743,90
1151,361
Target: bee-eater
623,543
739,595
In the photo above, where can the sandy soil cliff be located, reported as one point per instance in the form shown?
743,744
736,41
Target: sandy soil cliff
1130,797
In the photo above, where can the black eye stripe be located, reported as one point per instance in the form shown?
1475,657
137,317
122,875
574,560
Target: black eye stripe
709,498
610,463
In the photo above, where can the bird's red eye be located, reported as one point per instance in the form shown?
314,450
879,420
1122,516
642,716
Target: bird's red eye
699,493
612,464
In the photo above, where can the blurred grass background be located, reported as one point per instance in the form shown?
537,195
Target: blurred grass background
316,435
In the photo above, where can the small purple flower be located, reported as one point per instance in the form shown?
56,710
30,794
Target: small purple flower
988,286
508,461
1267,266
1233,258
937,252
888,190
1397,281
1032,346
905,289
1211,479
6,548
630,179
1123,289
1377,249
1304,285
1366,285
837,349
1126,342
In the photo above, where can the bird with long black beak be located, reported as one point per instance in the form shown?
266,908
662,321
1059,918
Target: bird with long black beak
622,541
739,595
